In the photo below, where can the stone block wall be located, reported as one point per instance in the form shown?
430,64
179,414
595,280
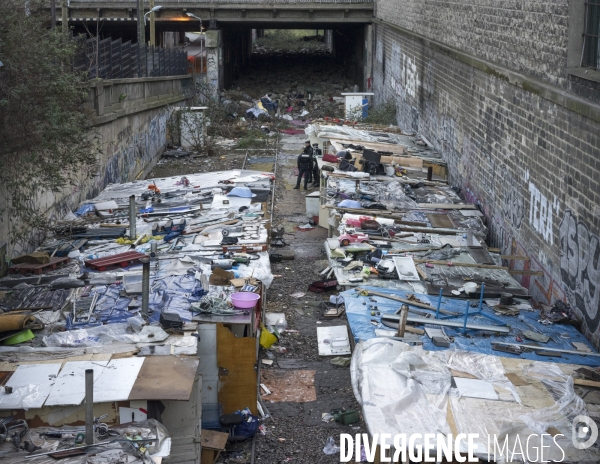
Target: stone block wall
529,36
531,163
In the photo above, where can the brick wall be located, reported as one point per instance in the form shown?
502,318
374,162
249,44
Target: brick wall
533,165
529,36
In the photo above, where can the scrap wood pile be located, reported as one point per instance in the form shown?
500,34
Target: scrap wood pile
203,239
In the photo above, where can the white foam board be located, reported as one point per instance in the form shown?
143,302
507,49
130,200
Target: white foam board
69,388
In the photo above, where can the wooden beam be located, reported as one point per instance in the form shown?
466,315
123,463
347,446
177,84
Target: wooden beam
449,263
404,300
402,322
586,383
445,206
514,257
525,272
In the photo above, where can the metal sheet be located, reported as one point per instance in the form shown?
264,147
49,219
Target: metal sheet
116,380
481,255
440,221
405,266
333,341
31,385
69,388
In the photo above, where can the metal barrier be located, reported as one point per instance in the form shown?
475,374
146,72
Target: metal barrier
112,59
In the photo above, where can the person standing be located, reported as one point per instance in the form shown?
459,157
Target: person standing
305,161
315,170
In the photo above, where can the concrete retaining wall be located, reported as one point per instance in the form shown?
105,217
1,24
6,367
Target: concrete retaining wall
131,132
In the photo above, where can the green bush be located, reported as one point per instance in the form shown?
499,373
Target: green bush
384,114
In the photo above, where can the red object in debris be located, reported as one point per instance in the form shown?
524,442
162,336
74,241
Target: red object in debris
26,268
429,265
449,263
121,259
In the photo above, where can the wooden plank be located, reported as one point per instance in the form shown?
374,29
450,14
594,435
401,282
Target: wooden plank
445,206
212,439
526,272
449,263
236,358
402,323
586,383
405,301
415,330
165,378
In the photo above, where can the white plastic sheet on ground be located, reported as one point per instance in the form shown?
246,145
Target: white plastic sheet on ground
405,390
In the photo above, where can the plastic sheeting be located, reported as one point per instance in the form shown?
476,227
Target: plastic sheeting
404,390
124,332
561,336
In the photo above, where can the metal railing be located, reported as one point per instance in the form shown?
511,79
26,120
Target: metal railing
113,59
128,3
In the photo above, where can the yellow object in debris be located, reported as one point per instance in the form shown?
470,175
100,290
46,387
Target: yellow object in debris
363,293
146,239
266,338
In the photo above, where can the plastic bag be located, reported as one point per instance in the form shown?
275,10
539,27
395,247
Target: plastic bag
331,447
248,427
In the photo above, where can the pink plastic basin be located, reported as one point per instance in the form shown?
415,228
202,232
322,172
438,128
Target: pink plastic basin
244,299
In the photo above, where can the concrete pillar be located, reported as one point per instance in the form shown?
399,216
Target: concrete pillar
368,59
65,16
99,97
152,25
141,26
214,62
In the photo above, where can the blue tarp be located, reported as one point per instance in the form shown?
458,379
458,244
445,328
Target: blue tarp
173,294
358,311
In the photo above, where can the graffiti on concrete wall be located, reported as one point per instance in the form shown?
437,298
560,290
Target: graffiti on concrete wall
131,151
541,212
580,267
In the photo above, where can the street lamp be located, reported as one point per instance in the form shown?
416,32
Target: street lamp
192,15
156,8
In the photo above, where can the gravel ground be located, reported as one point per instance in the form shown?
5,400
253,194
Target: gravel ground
296,433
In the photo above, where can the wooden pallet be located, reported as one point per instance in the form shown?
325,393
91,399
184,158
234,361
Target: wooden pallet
26,268
121,259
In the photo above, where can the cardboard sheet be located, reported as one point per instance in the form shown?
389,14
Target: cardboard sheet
165,378
290,385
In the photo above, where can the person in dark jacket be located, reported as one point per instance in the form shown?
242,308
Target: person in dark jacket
305,162
317,153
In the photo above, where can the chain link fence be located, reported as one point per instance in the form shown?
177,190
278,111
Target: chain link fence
114,59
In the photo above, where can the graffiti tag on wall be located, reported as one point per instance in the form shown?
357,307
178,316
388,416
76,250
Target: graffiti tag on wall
541,211
580,267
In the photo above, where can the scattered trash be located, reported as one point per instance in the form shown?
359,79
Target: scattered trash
330,447
340,361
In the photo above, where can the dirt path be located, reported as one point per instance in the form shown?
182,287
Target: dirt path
299,423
